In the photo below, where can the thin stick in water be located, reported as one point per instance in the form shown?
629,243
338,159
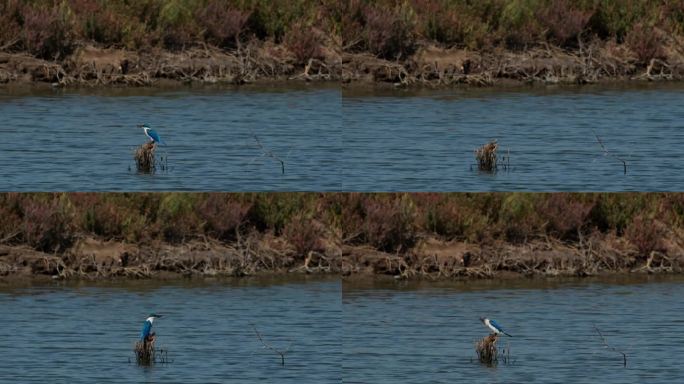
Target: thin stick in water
605,343
607,153
269,346
269,153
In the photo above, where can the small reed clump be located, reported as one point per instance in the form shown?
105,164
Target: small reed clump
145,352
486,349
486,156
487,352
144,157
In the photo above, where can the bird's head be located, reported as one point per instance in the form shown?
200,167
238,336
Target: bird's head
482,319
143,126
154,316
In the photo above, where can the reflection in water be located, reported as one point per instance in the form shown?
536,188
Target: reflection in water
85,333
422,332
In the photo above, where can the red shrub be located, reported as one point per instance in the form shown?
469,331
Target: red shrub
646,234
47,225
387,33
451,24
222,23
304,234
564,215
351,24
222,215
563,22
389,224
47,31
10,14
304,43
646,43
10,218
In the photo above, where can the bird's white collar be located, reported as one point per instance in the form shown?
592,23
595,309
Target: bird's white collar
150,319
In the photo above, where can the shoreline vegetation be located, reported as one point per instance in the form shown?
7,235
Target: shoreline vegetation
401,235
432,43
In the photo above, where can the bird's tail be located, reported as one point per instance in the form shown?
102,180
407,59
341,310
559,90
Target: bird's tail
506,334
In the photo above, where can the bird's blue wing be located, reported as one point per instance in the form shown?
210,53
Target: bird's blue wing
495,325
147,327
154,135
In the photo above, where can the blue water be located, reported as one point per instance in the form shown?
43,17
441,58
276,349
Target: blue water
85,333
84,140
425,140
426,332
350,140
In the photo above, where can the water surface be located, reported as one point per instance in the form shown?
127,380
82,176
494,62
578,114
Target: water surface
85,333
419,333
424,140
350,140
83,140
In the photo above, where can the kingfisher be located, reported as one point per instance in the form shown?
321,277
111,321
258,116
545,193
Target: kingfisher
494,326
147,327
152,134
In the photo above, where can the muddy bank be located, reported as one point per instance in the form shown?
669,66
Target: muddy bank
431,258
93,259
441,260
93,66
433,66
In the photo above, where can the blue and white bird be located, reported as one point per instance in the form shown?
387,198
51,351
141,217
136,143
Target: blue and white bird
147,327
494,326
152,134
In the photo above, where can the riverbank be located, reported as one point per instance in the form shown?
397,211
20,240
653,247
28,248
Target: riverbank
433,43
258,62
96,43
403,235
94,259
434,66
434,259
445,43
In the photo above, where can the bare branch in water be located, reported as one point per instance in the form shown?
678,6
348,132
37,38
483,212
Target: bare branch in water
269,153
607,153
605,343
269,346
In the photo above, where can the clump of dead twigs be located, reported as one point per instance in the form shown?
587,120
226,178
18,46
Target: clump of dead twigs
147,354
487,160
487,353
146,161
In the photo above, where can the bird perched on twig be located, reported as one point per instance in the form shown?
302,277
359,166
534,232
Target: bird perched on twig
152,134
494,326
146,333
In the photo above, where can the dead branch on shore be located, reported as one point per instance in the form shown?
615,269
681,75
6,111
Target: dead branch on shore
607,153
266,345
269,153
605,343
